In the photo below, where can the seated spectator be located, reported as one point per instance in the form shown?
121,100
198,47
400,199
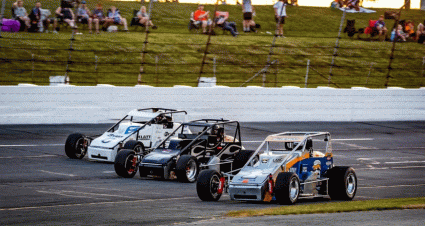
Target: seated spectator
380,26
35,14
420,32
65,14
409,28
144,18
83,15
99,18
221,21
116,17
201,17
398,34
45,21
353,4
21,13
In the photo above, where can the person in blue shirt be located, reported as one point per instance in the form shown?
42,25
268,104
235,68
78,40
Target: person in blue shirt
280,15
115,15
380,26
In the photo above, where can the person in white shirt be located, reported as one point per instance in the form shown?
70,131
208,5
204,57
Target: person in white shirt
280,15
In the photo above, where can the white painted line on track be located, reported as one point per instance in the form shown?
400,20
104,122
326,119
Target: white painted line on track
393,186
62,174
404,162
110,171
28,156
30,145
94,203
343,139
66,193
406,167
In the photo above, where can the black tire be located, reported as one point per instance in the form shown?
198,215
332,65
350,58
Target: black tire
76,146
126,165
187,169
241,158
342,183
207,185
136,146
287,188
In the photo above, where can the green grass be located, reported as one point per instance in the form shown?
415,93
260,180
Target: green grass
311,35
335,207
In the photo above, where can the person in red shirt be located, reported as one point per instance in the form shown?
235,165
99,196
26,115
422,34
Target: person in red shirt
201,16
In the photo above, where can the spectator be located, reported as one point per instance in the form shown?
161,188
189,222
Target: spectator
280,15
99,18
35,14
144,18
65,14
115,15
21,13
83,15
410,29
202,16
380,26
421,30
45,21
353,4
248,11
221,21
398,34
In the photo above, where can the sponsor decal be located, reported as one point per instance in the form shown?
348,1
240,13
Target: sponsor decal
144,137
166,134
305,169
280,159
265,161
113,135
166,151
328,158
245,181
131,129
107,140
293,170
328,163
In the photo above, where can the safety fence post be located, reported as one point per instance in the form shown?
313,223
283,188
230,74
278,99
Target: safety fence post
145,46
32,68
370,71
336,46
306,75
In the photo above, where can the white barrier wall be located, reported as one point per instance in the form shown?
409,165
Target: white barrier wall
71,104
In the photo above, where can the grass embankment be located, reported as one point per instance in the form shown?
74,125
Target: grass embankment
335,207
311,34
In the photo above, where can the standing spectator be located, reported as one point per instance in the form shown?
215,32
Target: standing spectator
83,15
65,14
248,11
202,16
221,21
380,26
115,15
21,13
144,18
280,15
99,18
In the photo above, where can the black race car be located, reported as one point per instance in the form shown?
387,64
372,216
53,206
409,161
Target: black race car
200,144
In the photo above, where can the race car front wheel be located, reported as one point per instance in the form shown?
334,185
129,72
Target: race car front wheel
187,169
76,146
207,185
126,163
287,188
342,183
135,146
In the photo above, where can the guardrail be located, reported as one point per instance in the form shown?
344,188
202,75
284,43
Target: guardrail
29,104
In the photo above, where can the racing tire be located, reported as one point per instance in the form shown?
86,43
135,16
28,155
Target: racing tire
241,158
135,146
342,184
287,188
76,146
207,185
187,169
126,164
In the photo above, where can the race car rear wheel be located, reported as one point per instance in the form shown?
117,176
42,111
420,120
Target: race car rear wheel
241,158
287,188
76,146
135,146
207,185
126,163
187,169
342,183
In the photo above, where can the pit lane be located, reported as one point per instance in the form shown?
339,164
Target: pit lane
41,186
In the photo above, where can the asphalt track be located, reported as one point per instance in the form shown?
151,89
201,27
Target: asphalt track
41,186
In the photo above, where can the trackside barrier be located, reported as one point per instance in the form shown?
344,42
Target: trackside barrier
30,104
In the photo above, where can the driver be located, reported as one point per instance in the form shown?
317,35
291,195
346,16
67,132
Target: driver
218,131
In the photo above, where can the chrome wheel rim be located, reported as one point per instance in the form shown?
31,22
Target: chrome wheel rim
80,149
351,184
214,184
191,170
138,149
293,189
130,164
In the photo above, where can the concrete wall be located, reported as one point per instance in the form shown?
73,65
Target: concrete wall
71,104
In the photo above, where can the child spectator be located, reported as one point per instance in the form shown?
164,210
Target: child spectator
83,15
221,21
21,13
144,18
280,15
248,12
115,15
202,16
398,34
380,26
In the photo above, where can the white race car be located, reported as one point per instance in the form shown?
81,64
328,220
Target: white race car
139,130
